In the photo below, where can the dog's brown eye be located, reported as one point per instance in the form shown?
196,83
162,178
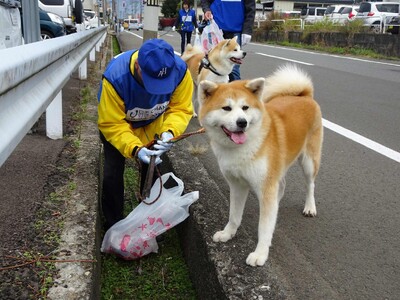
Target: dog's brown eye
245,107
227,108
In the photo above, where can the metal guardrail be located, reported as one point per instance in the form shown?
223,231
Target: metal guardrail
31,79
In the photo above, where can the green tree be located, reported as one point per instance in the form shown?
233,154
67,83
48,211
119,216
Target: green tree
170,8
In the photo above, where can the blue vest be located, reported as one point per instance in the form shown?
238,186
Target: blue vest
141,108
229,15
186,19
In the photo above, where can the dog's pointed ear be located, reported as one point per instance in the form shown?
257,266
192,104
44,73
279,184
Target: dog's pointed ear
206,89
234,39
256,86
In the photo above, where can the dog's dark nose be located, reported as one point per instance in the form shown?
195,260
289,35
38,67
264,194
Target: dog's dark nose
241,123
244,54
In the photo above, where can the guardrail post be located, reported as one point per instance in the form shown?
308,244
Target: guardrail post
92,55
54,128
98,45
83,70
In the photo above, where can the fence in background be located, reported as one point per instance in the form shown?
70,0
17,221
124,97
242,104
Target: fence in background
32,78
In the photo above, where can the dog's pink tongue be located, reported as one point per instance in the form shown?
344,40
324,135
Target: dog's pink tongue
238,137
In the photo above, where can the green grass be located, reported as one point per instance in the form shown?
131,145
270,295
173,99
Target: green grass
162,275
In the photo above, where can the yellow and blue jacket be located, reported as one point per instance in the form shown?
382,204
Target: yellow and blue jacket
129,117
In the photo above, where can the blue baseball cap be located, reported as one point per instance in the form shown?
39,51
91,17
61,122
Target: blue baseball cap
156,59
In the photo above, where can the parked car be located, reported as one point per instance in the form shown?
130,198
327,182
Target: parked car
374,13
70,10
51,25
312,14
91,18
333,10
345,14
131,24
10,24
393,25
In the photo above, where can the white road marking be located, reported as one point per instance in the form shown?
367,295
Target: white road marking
135,34
332,55
287,59
362,140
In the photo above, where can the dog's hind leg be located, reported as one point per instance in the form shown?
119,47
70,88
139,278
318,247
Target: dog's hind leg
238,197
310,161
307,164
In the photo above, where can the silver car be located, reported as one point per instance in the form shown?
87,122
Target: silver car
375,14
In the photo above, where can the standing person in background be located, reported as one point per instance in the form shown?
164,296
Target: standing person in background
185,22
143,92
235,18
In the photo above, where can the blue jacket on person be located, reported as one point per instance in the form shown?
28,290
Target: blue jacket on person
186,20
235,16
229,15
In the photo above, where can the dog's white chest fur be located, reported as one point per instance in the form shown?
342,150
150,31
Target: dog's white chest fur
240,164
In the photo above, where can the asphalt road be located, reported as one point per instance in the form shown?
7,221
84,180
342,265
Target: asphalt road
351,249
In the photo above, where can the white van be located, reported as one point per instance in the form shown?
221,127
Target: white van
313,14
70,10
131,24
10,24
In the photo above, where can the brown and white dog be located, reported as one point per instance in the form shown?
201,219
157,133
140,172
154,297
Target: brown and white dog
258,128
216,65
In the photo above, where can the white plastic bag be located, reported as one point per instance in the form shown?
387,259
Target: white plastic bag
135,236
197,40
211,36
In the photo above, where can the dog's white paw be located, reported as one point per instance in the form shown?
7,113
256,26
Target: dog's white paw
256,259
223,236
310,211
194,115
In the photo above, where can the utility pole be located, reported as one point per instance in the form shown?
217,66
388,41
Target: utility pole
114,16
151,11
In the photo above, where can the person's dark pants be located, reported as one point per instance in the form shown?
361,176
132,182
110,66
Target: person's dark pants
186,37
112,200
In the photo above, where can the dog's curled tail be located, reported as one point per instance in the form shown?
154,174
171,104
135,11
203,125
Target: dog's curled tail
288,80
190,51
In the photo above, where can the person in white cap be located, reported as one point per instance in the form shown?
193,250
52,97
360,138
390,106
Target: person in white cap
143,92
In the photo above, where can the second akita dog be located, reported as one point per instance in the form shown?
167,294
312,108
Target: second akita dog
216,65
258,128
